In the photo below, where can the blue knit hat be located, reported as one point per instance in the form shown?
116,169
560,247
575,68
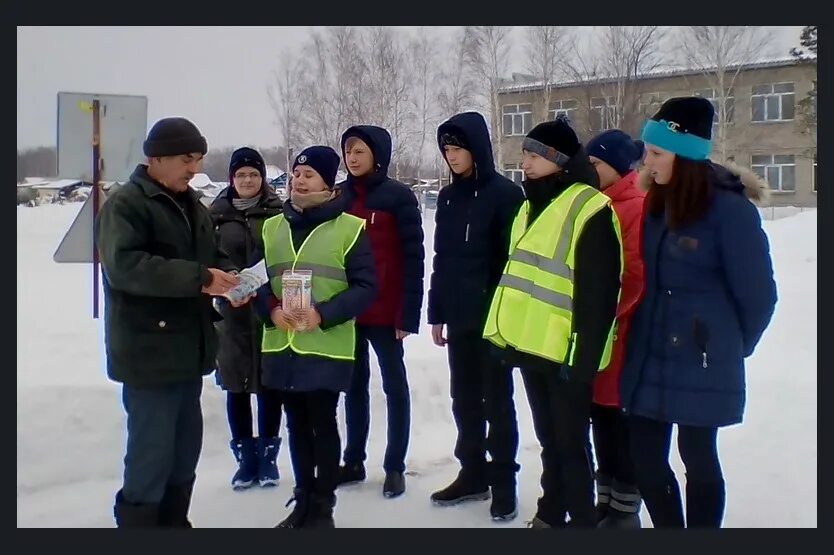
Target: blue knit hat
321,158
616,149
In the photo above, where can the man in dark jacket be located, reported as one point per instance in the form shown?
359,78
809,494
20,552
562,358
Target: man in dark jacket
395,229
471,244
161,266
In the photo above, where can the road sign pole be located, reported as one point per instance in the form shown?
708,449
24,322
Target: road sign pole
95,193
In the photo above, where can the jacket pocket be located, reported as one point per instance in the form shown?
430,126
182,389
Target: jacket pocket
700,332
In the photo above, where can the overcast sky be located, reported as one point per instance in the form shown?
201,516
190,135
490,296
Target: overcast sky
215,76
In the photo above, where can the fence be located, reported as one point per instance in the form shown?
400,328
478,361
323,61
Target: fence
779,212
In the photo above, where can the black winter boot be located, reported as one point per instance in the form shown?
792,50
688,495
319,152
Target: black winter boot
321,512
268,448
298,516
603,482
705,504
664,505
502,481
173,510
394,485
246,455
624,509
131,515
351,474
466,487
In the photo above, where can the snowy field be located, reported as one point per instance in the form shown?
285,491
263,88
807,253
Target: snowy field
70,423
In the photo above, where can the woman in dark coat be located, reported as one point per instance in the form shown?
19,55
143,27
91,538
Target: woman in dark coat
709,295
239,213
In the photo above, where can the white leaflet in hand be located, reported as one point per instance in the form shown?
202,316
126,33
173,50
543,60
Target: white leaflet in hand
259,269
250,280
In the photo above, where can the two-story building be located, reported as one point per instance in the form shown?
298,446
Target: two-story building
766,127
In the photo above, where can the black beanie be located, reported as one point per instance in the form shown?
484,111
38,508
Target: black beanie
323,159
246,157
454,137
683,125
555,140
172,137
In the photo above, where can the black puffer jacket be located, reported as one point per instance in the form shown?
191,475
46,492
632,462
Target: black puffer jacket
239,235
471,235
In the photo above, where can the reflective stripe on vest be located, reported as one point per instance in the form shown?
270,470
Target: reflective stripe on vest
323,253
532,309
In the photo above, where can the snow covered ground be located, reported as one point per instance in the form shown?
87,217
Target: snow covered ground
70,423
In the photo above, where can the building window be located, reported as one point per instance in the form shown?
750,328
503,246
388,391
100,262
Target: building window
774,102
518,119
715,98
514,172
813,95
650,103
778,170
603,114
814,177
559,107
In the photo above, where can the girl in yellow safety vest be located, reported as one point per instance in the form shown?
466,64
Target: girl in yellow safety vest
308,352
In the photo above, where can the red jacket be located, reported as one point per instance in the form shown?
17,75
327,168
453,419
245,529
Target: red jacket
627,200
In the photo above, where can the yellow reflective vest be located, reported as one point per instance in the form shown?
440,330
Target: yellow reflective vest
323,253
532,309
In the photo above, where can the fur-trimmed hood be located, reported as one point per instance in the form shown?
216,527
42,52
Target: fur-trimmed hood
729,176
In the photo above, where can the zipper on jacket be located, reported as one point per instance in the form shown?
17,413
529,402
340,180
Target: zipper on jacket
469,208
373,214
184,217
701,338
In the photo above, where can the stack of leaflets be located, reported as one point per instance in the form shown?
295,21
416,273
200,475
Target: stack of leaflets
296,290
250,280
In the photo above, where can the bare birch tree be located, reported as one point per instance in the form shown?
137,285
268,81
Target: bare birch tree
545,48
488,52
581,66
286,102
720,53
457,88
422,54
628,53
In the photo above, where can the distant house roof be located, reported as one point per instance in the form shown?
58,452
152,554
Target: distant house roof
200,181
273,171
57,184
524,84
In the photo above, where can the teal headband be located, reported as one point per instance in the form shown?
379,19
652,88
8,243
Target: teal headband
664,134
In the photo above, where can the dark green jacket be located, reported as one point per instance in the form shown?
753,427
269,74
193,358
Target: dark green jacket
159,327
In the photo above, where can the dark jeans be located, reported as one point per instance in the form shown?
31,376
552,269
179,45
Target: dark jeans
239,411
389,352
164,438
482,393
611,443
561,418
698,446
314,439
